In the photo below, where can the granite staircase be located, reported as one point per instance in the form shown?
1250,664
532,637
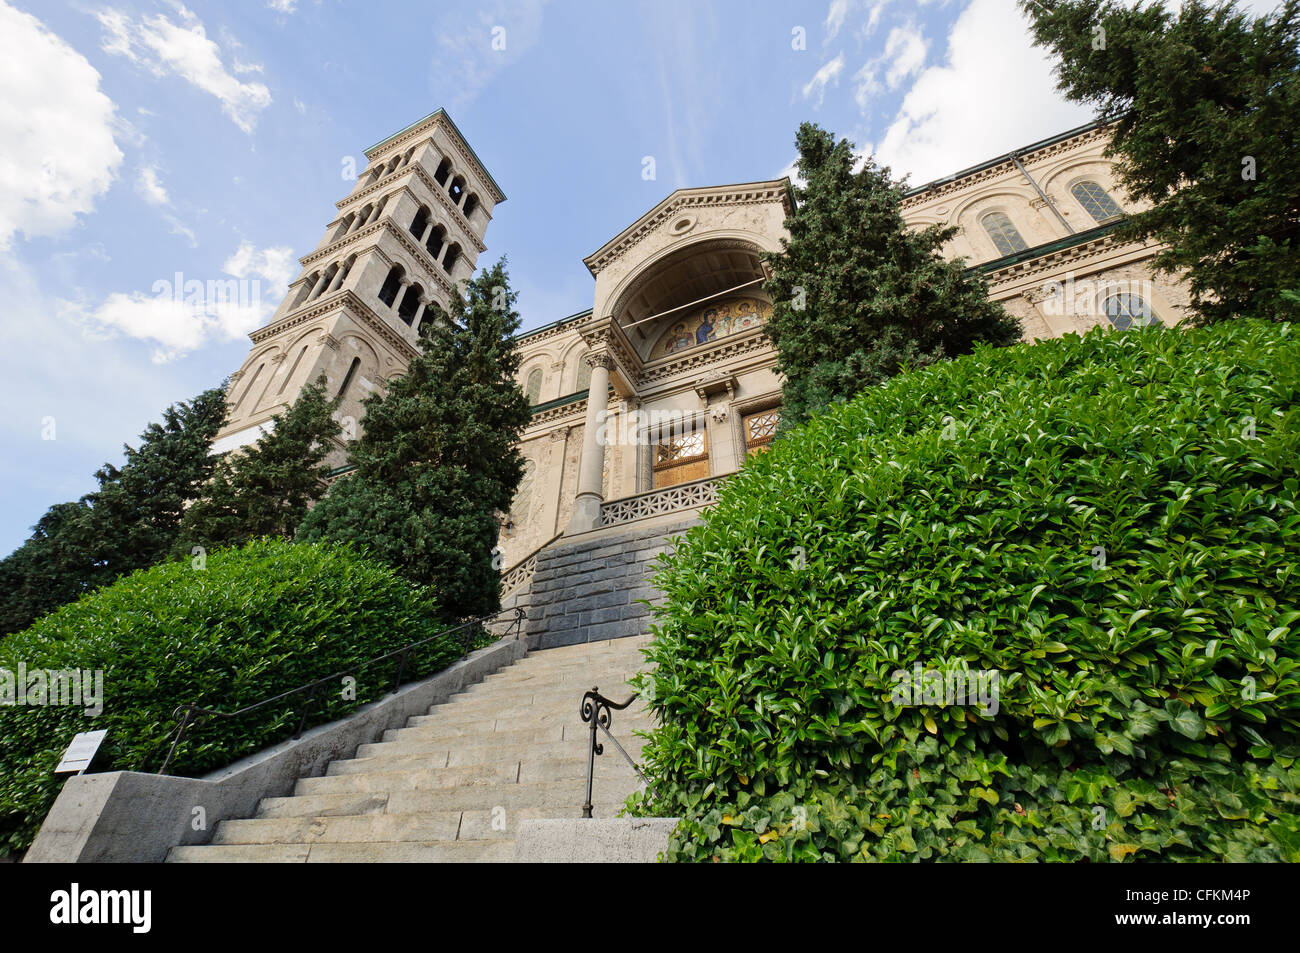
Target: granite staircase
453,785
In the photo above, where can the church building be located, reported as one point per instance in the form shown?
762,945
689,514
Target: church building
665,383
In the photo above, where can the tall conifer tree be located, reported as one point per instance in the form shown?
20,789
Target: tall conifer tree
130,522
1206,104
438,458
266,488
858,296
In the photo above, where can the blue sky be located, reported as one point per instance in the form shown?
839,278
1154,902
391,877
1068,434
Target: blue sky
143,139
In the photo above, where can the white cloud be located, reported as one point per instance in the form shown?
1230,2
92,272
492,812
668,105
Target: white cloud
184,313
183,49
57,127
828,75
994,92
905,51
839,9
482,43
150,189
282,6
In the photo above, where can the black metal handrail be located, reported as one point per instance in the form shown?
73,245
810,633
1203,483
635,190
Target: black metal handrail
185,713
597,711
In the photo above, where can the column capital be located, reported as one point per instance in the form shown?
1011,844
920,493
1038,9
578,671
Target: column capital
596,359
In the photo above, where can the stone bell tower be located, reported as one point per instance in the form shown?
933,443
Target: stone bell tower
411,229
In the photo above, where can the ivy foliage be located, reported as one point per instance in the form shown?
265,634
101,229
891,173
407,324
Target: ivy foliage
1107,521
253,622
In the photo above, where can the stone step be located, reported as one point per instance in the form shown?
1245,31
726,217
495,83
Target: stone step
454,784
502,769
469,754
481,851
430,737
577,676
564,798
444,825
468,851
240,854
510,719
494,822
324,805
543,689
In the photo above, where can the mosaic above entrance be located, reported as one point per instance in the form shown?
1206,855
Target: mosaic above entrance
711,322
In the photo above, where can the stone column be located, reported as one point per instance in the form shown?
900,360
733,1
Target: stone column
339,278
586,505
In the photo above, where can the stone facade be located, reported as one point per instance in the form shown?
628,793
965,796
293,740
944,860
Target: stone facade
673,341
1056,273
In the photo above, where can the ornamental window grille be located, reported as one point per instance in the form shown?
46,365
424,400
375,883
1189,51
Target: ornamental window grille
680,458
1096,201
1005,235
1126,310
760,428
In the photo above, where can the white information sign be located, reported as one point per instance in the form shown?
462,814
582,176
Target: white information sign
80,752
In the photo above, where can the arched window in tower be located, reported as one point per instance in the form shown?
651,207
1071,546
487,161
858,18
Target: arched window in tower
244,396
453,255
1127,310
292,371
305,288
420,223
456,190
533,389
410,303
391,286
347,378
444,170
1096,201
471,203
1005,235
433,244
523,502
345,225
582,379
326,280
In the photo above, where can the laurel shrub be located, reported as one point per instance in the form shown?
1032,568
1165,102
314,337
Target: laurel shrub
1107,521
251,623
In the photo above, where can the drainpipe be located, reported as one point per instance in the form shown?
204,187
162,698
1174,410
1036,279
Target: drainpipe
1041,194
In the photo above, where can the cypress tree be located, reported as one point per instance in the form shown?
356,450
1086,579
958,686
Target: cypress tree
1206,109
438,459
858,295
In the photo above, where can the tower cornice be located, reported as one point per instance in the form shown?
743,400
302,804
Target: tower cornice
439,119
339,301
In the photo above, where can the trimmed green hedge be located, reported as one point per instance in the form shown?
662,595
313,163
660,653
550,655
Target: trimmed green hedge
1108,522
256,621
